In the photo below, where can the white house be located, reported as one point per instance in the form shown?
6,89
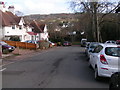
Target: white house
12,25
17,29
40,29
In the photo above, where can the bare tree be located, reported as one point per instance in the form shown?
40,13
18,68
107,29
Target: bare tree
93,9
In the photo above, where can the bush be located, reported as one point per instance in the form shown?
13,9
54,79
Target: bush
14,38
44,44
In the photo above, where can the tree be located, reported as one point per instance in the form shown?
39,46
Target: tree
93,9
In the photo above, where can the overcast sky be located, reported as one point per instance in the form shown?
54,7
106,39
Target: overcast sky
39,6
42,6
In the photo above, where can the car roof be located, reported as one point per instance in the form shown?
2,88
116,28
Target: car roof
109,45
83,39
110,40
94,43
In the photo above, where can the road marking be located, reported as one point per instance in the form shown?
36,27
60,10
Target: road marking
2,69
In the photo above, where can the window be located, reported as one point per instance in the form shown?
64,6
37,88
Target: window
13,27
98,49
20,27
93,45
113,51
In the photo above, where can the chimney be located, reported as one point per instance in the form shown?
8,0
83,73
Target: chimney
11,9
2,6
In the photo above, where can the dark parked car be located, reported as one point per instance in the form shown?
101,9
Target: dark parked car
66,43
115,81
117,41
6,48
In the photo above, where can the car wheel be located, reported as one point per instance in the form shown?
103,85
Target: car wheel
97,77
114,82
114,87
88,59
89,65
5,51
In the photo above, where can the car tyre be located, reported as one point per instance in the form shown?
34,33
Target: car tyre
88,58
113,87
114,83
97,77
5,51
89,65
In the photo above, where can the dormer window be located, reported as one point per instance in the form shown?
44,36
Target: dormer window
13,27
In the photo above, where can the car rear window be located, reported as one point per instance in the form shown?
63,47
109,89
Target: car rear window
93,45
113,51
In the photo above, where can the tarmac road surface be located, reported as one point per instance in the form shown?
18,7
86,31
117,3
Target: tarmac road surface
63,67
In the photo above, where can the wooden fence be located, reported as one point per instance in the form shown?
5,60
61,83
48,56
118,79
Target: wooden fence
22,44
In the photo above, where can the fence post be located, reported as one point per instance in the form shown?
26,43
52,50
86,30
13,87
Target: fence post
26,45
18,51
36,46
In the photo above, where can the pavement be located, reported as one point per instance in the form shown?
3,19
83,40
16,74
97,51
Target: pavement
18,52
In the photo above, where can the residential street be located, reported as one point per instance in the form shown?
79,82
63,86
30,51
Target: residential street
61,67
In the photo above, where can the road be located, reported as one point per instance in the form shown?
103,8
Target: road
62,67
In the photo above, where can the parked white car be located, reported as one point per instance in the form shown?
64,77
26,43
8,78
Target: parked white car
83,42
110,42
53,44
90,48
34,42
105,60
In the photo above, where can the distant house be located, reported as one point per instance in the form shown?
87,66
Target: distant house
40,29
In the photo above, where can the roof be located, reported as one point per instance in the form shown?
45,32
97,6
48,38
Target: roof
32,33
8,18
37,26
110,45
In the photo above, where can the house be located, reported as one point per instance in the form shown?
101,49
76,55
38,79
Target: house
12,25
40,29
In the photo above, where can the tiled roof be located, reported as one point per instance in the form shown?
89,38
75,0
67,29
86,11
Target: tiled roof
37,26
9,18
32,33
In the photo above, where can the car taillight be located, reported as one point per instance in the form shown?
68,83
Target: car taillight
103,59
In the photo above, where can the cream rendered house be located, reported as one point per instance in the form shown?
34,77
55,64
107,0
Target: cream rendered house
12,25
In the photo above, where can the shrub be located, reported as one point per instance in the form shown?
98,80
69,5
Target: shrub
43,44
14,38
